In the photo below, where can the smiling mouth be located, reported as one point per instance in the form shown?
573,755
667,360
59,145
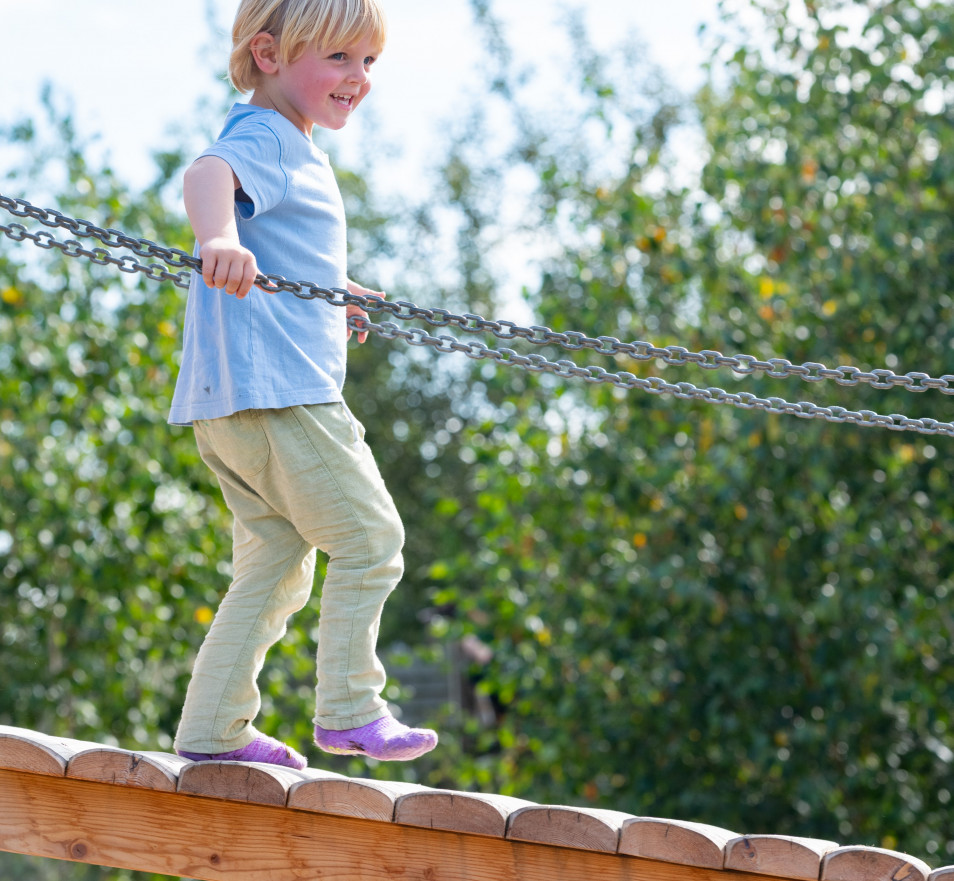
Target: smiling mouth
345,100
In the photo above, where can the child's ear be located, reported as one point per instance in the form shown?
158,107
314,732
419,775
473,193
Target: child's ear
264,49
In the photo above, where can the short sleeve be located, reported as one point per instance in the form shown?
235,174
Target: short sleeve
254,153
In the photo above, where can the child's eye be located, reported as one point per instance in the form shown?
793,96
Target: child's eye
369,60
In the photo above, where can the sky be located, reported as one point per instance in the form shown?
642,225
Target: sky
133,72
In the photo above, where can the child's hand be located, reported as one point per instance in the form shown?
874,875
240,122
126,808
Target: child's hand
353,310
227,265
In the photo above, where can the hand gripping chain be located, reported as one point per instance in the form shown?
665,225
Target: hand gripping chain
707,359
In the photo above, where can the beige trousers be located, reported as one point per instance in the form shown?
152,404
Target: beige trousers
295,479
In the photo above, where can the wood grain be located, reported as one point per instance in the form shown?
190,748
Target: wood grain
783,855
858,863
457,811
251,782
214,840
584,828
37,753
246,821
147,770
330,793
675,841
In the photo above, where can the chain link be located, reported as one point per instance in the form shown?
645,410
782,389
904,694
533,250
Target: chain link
507,330
540,335
654,384
100,256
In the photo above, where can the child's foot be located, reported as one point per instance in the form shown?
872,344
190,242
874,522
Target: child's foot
262,749
385,739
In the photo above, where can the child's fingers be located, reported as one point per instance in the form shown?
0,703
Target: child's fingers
231,271
354,311
362,335
233,278
247,279
208,271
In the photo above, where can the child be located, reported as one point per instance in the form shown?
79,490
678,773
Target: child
261,382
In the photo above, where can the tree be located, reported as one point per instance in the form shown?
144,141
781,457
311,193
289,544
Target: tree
111,531
701,612
694,611
114,541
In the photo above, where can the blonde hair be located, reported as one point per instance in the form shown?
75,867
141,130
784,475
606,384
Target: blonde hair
298,24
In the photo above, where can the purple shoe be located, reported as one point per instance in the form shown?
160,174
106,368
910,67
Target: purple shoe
385,739
262,749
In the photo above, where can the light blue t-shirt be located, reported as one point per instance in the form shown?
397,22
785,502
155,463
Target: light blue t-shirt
269,350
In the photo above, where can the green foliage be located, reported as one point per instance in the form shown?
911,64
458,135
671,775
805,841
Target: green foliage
111,553
114,541
693,611
712,614
100,543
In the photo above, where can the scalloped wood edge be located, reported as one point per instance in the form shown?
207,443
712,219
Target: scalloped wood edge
458,811
778,855
149,770
857,863
675,841
328,793
585,828
25,750
235,821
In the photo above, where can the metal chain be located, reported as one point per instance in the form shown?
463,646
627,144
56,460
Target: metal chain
99,256
655,385
707,359
640,351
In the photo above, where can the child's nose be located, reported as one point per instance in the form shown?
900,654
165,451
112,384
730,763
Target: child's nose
359,74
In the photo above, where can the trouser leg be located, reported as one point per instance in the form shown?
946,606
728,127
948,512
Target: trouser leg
295,479
273,576
357,525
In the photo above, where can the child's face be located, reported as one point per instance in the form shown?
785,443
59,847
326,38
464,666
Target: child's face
323,88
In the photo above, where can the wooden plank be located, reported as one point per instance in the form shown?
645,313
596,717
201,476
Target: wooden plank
675,841
858,863
330,793
214,840
148,770
24,750
458,811
585,828
252,782
156,812
783,855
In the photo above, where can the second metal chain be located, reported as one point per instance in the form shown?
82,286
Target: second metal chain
507,330
655,385
707,359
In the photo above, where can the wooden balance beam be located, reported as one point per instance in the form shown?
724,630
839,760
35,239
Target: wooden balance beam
243,821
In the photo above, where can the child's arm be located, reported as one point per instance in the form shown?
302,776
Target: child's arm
352,309
209,193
